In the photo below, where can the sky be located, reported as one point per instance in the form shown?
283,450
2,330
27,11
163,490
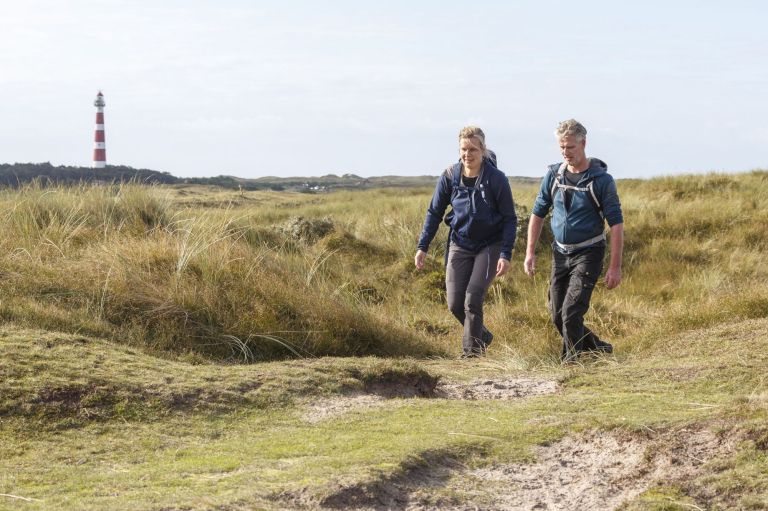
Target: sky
308,88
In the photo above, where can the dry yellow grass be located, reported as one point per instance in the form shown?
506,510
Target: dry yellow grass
232,274
129,310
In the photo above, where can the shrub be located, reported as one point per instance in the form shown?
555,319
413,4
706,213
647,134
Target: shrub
308,230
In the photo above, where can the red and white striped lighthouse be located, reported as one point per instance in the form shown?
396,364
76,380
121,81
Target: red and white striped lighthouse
99,147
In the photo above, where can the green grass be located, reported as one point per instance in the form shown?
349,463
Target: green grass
230,276
159,347
153,433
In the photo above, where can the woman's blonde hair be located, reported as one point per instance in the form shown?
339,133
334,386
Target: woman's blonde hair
475,133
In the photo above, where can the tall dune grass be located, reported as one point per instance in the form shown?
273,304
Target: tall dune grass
217,274
123,261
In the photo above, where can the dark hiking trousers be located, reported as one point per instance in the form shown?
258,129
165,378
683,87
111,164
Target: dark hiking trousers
467,277
573,279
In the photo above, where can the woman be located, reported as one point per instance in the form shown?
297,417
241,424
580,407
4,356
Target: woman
483,226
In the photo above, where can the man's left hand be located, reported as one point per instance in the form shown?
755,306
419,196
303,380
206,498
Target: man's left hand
612,278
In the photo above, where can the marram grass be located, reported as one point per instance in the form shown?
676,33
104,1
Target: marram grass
146,330
219,273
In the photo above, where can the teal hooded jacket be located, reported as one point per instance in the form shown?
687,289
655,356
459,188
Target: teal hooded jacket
585,218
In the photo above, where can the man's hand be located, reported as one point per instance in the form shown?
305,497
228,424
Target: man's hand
502,267
530,264
534,231
612,278
613,275
419,259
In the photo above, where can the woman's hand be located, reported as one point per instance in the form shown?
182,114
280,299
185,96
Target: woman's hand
419,259
502,267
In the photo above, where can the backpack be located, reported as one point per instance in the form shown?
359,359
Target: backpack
589,188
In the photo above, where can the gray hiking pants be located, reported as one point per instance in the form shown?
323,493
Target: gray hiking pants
467,277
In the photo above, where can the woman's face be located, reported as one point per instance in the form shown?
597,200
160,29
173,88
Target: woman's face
471,154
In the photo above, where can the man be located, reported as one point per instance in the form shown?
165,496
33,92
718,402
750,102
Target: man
582,196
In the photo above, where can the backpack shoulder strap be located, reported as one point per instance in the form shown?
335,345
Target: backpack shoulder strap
453,173
487,189
557,179
588,188
593,198
456,175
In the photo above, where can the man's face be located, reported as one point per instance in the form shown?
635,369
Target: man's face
573,150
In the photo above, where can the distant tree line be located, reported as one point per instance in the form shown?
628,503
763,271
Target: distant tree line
18,174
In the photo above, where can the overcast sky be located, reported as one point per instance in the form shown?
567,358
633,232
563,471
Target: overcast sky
301,88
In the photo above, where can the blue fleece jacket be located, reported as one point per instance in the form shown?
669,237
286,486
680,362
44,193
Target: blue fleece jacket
481,215
582,221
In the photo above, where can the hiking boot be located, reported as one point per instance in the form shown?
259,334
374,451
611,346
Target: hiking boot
479,345
569,357
603,347
487,339
477,351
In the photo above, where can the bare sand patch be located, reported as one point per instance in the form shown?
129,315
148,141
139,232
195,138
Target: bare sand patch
329,408
504,389
379,395
598,470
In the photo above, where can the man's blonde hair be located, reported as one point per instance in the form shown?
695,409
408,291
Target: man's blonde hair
571,128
